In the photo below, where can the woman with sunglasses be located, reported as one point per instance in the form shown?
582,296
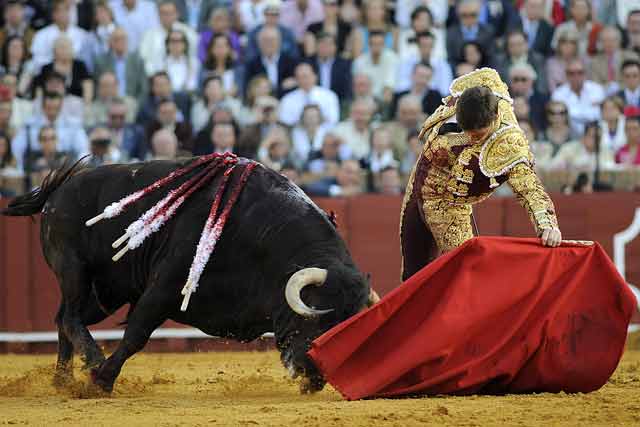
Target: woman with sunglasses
558,131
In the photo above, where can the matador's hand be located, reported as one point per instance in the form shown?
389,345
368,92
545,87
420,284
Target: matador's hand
551,237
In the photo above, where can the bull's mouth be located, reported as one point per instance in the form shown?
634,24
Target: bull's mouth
311,381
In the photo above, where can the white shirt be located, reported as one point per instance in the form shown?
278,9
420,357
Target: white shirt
583,107
303,145
293,103
183,72
136,21
573,156
325,72
153,44
71,138
43,41
440,81
618,139
382,74
272,69
632,96
357,141
251,14
407,49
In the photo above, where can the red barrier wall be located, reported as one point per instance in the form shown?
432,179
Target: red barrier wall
29,294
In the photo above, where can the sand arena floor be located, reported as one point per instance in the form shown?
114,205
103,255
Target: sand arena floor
251,389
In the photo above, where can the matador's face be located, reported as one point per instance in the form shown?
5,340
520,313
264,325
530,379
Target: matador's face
480,134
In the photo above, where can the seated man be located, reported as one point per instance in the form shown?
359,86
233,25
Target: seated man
472,145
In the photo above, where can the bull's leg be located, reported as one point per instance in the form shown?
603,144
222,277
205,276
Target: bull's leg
64,365
78,303
150,311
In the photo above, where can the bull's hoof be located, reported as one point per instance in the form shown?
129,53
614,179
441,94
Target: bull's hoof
104,385
311,385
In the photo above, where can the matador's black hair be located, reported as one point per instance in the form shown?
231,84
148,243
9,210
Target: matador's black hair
477,108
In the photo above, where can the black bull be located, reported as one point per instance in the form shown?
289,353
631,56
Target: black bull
273,231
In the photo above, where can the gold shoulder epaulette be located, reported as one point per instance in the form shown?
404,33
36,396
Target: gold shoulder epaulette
441,115
503,150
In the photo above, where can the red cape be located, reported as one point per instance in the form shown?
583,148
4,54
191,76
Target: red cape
496,315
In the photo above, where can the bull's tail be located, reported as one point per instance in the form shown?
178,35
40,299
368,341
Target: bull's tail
33,202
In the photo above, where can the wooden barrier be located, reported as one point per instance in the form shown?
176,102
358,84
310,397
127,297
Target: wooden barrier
29,294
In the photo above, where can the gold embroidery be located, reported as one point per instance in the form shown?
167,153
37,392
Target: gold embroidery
531,195
450,224
482,77
503,150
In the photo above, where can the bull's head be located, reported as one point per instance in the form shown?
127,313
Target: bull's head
342,292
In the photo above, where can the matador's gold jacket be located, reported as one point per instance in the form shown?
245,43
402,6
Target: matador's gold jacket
453,173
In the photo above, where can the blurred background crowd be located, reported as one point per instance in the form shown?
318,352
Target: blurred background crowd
330,93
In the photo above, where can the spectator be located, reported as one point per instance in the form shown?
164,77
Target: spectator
308,135
10,178
442,75
580,156
77,79
380,64
7,161
429,98
96,112
14,60
612,123
468,29
287,45
566,52
334,72
388,182
633,30
219,23
381,155
463,68
167,118
374,13
580,13
437,9
222,139
98,39
102,150
220,62
558,131
537,29
71,137
161,89
333,25
629,155
126,138
251,13
421,22
347,182
498,15
73,108
474,55
413,152
164,145
182,67
265,113
214,96
606,67
258,87
326,161
136,17
308,92
42,48
276,65
46,157
408,118
275,149
630,92
127,66
356,130
21,109
15,24
517,52
196,14
582,96
522,78
298,15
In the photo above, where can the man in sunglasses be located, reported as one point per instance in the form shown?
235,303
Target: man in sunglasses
472,145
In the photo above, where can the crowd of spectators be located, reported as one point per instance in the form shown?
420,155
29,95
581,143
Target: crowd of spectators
328,92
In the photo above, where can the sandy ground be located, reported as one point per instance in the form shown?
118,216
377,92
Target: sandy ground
251,389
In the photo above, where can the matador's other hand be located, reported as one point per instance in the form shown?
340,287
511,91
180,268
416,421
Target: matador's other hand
551,237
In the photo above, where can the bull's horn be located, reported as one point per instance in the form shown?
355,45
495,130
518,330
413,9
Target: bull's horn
300,279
